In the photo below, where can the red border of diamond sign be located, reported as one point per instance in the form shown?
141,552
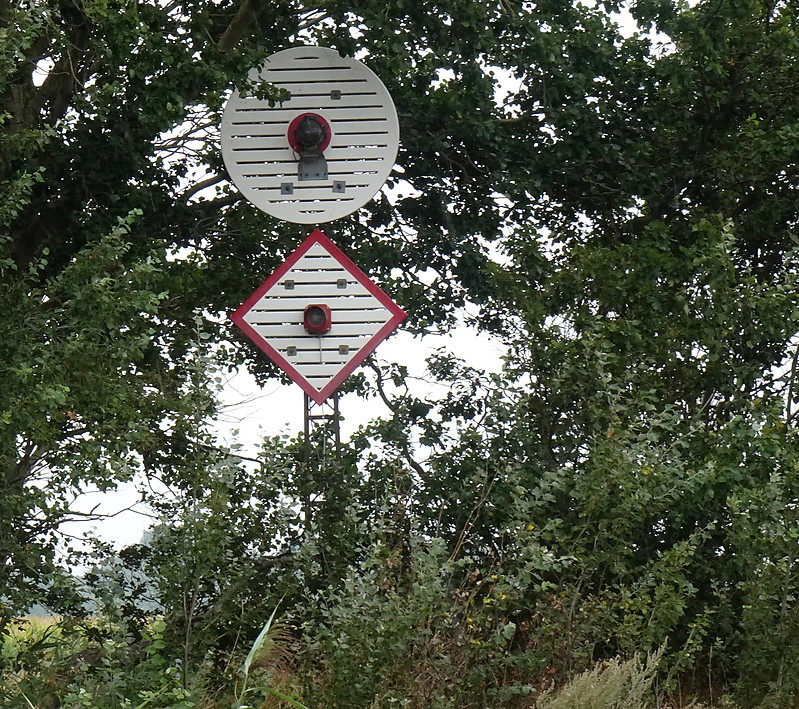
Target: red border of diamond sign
397,316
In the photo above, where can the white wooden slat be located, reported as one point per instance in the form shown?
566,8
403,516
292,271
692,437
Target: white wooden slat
349,153
257,149
304,102
323,267
309,290
268,174
356,302
343,170
316,372
304,342
351,142
292,326
332,276
254,136
308,196
331,74
318,289
303,192
256,113
310,343
316,252
321,201
264,317
361,126
303,359
264,125
324,271
256,153
279,330
257,163
308,85
307,190
296,332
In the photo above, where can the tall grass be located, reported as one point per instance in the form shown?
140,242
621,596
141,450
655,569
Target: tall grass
616,684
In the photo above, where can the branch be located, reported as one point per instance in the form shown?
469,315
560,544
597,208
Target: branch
213,204
240,25
406,450
789,398
207,182
314,17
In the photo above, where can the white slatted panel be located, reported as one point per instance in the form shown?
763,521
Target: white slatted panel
357,316
361,154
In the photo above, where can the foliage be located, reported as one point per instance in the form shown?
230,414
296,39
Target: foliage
618,205
60,663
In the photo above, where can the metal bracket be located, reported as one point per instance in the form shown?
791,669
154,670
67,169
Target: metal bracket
312,166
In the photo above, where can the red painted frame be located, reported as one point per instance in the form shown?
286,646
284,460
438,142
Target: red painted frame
397,316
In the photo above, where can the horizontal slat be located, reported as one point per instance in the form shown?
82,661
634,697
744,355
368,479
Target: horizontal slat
310,87
277,148
310,343
278,141
361,142
340,318
314,256
317,290
262,113
275,159
322,102
328,276
359,172
318,371
335,168
343,126
297,337
295,73
304,359
356,302
258,110
266,192
277,130
356,167
268,136
305,190
346,152
255,135
302,190
275,332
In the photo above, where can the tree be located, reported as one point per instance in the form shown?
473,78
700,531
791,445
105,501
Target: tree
620,205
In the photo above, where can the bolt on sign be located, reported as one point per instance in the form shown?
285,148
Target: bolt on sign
318,316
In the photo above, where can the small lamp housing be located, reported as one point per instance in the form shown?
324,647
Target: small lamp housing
317,319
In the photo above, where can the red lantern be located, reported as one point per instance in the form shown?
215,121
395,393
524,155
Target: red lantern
317,319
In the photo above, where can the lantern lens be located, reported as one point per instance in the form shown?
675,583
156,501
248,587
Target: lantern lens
315,316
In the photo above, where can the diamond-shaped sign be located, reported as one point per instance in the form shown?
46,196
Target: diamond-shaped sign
318,273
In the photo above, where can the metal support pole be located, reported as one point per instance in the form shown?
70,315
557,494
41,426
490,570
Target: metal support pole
321,421
321,426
